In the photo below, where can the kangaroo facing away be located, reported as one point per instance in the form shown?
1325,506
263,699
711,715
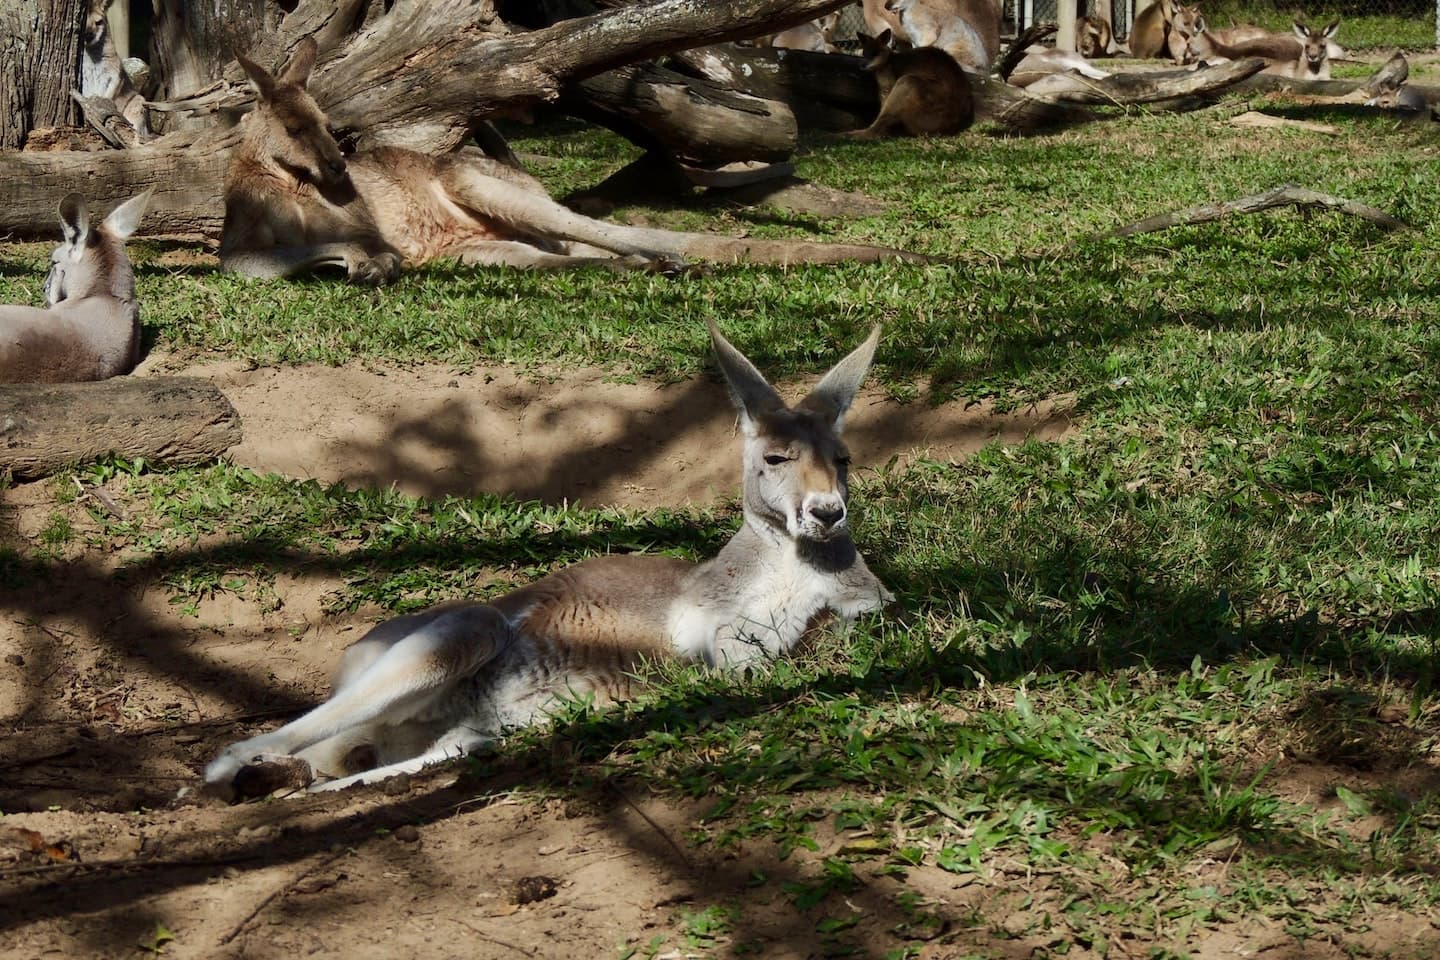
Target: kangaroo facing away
91,330
923,91
101,72
428,686
293,202
968,30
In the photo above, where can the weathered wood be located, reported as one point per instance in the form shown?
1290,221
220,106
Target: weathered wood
1150,86
187,170
418,76
826,91
39,50
692,119
1287,195
45,428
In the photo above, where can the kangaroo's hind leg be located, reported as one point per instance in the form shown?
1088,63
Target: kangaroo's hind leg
400,672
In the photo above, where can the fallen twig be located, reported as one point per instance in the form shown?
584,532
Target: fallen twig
127,863
1254,118
1287,195
239,928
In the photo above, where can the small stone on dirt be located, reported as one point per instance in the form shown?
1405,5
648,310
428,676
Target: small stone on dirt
407,833
532,889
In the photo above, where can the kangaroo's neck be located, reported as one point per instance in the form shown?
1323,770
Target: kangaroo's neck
764,589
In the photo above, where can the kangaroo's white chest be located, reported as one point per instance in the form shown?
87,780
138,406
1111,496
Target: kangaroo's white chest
738,616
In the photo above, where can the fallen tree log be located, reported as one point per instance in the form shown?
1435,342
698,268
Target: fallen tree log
47,427
420,75
691,119
1286,195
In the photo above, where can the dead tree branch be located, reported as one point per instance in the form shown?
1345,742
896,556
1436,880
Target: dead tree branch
1287,195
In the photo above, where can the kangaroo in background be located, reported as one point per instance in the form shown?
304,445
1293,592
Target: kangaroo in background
91,329
1162,30
968,30
1389,91
923,91
101,72
815,35
1304,56
433,685
1093,36
293,202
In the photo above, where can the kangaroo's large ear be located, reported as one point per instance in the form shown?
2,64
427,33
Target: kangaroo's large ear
124,219
834,393
259,77
1301,31
302,61
74,221
752,393
1330,30
1200,26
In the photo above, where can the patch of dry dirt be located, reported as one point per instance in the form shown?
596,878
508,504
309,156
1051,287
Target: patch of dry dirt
577,435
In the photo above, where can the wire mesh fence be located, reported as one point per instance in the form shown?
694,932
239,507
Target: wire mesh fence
1365,24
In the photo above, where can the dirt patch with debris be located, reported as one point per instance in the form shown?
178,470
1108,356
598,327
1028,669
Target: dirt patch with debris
577,435
113,698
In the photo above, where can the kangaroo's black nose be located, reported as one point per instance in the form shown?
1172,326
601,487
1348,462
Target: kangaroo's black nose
828,515
337,167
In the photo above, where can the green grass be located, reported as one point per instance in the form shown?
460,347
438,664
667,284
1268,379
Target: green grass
1358,31
1109,655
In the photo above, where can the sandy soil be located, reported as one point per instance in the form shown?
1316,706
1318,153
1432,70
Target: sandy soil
112,699
576,435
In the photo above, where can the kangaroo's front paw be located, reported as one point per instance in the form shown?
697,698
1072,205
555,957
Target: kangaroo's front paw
378,269
234,777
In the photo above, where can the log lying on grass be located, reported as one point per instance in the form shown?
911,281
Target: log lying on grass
46,427
418,75
1287,195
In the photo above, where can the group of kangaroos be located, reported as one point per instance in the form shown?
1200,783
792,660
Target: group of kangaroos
424,687
421,688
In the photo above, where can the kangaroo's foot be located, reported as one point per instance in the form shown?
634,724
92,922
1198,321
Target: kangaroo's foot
259,776
381,268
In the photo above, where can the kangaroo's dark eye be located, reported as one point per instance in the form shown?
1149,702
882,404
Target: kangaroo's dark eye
775,459
842,461
294,131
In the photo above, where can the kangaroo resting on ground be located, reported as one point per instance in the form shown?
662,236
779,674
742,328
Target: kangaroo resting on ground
294,203
91,330
434,685
1304,56
923,91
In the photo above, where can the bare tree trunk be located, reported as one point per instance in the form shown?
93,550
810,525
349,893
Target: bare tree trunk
193,43
48,427
39,66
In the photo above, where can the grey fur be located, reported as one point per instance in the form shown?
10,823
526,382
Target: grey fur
91,328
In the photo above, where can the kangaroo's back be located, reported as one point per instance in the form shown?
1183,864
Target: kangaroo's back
923,91
91,329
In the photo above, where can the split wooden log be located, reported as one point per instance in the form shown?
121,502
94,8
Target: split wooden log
1287,195
691,119
45,428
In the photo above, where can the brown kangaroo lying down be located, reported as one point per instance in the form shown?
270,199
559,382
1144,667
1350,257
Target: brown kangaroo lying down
294,203
923,91
91,330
